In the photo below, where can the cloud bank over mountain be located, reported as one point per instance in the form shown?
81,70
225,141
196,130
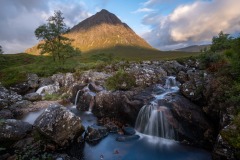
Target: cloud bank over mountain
193,23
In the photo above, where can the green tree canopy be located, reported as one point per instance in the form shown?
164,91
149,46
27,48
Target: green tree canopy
221,42
53,42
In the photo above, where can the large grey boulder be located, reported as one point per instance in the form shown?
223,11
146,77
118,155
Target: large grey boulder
32,97
13,130
59,125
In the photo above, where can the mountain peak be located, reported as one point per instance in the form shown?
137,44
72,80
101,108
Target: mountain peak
102,17
104,11
104,30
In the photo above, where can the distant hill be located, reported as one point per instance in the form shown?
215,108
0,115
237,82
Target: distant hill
194,48
101,31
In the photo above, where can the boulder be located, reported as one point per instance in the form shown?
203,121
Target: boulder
20,108
95,133
118,104
172,67
95,88
193,88
32,80
59,125
12,130
6,114
32,97
146,74
8,97
45,81
112,128
92,76
21,88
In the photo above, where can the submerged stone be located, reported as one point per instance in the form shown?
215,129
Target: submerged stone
127,138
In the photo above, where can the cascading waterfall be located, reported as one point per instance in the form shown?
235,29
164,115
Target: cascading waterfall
153,119
76,98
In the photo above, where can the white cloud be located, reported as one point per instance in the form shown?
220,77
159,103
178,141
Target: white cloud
142,10
193,23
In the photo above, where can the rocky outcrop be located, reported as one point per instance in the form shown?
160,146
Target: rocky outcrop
188,120
59,125
13,130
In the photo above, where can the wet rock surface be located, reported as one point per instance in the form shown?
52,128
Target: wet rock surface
59,124
95,133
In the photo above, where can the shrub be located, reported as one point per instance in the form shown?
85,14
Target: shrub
121,81
213,61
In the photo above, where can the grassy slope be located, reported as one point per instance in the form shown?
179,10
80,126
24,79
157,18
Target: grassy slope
15,67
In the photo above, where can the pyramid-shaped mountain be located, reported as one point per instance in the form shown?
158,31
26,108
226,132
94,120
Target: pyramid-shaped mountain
101,31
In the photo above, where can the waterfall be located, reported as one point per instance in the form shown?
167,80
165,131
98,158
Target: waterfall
76,98
153,119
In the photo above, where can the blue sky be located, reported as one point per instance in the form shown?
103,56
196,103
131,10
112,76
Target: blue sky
164,24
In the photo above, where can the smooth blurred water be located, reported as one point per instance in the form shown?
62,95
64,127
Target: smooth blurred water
146,148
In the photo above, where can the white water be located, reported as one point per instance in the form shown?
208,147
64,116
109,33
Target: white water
50,89
76,98
152,118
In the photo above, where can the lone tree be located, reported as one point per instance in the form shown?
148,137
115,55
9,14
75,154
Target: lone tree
1,51
53,41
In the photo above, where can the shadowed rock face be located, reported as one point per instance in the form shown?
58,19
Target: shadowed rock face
13,130
189,120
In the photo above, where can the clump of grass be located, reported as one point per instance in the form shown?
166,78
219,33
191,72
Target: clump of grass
121,81
232,135
53,96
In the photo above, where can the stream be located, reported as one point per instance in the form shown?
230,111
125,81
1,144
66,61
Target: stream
151,125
